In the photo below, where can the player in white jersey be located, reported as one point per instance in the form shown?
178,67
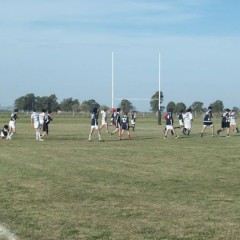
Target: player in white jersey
12,123
104,120
36,124
233,123
41,117
187,119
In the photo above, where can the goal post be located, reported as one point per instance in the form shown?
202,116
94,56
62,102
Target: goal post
141,99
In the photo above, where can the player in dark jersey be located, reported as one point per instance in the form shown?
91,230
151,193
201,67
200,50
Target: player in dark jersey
207,121
46,121
118,123
12,123
94,125
225,124
4,132
169,124
125,126
133,120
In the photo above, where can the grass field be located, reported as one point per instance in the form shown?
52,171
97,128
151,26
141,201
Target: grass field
148,188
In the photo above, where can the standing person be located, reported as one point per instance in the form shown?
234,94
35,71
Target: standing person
12,123
233,123
94,125
207,121
225,124
125,126
133,120
47,119
4,132
180,120
104,120
169,124
113,116
36,124
41,118
118,123
187,119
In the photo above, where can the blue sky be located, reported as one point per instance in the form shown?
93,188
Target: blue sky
64,47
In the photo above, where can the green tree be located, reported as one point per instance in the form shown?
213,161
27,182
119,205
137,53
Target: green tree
171,105
26,103
126,106
68,103
197,107
217,106
180,106
88,105
154,101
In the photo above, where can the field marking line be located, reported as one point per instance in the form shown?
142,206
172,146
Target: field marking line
4,232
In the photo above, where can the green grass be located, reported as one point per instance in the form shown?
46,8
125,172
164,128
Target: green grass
148,188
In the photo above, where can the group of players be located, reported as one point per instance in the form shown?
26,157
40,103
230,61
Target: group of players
39,121
228,121
121,124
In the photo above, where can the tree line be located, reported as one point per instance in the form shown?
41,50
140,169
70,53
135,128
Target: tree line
30,102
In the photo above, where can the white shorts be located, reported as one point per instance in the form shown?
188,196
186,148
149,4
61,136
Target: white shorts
104,123
36,125
180,122
188,125
94,126
2,135
132,121
12,124
169,127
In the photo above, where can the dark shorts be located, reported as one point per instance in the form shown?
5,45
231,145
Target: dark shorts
225,124
207,123
45,128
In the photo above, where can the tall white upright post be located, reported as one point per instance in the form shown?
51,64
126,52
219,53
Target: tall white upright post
159,82
159,89
112,80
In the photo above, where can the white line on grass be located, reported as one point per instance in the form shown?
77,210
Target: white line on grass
4,232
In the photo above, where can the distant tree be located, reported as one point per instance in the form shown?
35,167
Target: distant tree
197,107
236,109
88,105
47,102
102,107
155,100
180,106
53,103
68,103
26,103
125,105
217,106
171,105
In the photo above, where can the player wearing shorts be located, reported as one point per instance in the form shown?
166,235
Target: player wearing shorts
187,119
133,120
118,123
207,121
233,123
12,123
125,126
41,118
225,124
4,133
169,124
36,125
47,119
94,125
104,120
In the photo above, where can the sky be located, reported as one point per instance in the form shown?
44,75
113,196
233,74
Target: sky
65,47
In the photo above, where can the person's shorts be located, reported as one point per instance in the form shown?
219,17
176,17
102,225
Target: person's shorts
208,123
225,124
94,126
36,125
12,124
169,127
